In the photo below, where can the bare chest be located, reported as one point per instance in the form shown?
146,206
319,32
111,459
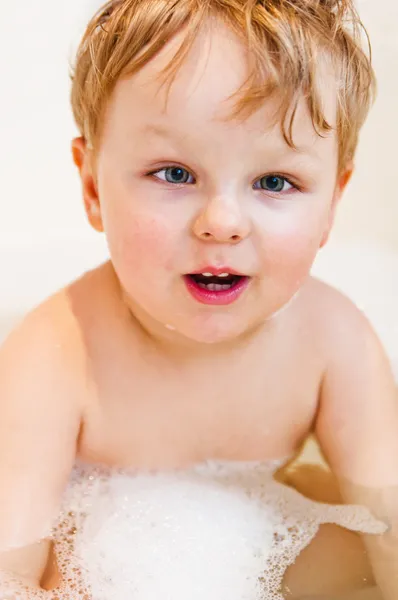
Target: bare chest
160,417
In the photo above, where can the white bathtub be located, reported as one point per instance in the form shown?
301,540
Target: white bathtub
30,271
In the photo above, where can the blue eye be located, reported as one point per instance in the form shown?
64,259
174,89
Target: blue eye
174,175
274,183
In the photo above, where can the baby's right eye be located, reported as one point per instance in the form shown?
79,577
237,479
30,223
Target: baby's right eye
175,175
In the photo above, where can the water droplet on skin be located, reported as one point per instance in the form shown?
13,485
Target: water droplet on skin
284,307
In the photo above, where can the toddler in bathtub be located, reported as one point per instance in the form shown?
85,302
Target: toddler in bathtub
217,138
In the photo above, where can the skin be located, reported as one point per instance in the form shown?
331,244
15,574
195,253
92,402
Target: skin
222,216
123,360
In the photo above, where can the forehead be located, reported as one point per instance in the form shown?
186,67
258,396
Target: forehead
202,96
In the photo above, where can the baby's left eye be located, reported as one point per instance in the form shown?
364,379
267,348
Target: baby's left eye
273,183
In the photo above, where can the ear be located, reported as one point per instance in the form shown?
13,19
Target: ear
83,159
341,184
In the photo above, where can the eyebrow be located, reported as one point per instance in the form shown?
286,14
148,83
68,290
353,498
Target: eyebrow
304,153
158,130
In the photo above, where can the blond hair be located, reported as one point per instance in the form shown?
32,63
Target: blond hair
285,40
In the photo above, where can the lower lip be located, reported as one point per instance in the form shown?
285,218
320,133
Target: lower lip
222,298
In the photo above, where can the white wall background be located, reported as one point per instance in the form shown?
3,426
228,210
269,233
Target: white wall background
40,193
44,238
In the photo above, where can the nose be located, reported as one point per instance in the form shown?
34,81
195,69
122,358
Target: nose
222,220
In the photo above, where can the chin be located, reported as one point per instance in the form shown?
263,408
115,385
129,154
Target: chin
227,326
217,329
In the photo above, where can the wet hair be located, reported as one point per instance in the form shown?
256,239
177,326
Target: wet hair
287,41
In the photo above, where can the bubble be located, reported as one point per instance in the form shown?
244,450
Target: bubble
218,530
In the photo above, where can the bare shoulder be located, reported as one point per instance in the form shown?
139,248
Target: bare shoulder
323,296
338,322
46,356
354,355
45,345
41,403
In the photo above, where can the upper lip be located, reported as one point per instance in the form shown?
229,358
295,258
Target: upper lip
217,271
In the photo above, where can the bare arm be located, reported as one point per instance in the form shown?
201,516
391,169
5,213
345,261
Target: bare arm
23,567
357,429
39,427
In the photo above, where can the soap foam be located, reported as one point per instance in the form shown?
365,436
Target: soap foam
217,531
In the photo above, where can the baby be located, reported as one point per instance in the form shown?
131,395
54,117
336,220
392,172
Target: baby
217,139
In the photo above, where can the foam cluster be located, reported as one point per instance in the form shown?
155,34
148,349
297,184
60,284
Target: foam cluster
219,530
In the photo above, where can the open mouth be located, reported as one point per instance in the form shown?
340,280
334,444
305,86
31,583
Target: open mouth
216,283
221,289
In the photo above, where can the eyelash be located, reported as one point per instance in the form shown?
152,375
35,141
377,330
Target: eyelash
278,175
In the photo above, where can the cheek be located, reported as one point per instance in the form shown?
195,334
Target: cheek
142,243
291,246
141,235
